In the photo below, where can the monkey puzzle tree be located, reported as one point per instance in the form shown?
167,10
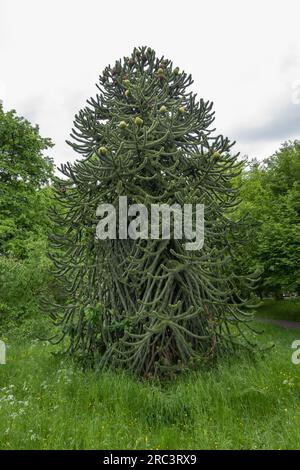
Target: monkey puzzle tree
149,305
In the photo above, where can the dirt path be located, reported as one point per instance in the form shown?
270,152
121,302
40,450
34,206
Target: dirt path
293,325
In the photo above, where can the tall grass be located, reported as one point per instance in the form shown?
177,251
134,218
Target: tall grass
46,402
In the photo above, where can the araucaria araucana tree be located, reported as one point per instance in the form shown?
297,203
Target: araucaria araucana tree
149,305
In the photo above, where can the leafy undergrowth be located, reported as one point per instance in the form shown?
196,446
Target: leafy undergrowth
46,402
280,309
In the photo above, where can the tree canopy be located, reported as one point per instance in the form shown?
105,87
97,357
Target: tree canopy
270,193
24,173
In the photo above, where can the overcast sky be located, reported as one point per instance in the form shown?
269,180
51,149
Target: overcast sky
243,55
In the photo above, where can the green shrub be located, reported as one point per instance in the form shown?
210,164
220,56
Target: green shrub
22,285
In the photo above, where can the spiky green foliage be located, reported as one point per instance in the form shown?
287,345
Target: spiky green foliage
148,305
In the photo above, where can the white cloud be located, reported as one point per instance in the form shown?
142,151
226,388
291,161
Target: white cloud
243,56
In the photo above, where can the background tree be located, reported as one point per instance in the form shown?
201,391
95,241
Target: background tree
24,221
24,172
149,305
271,195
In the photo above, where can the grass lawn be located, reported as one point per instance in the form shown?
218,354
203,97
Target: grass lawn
280,309
48,403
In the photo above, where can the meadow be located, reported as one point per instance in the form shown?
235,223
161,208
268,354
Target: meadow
48,402
288,309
